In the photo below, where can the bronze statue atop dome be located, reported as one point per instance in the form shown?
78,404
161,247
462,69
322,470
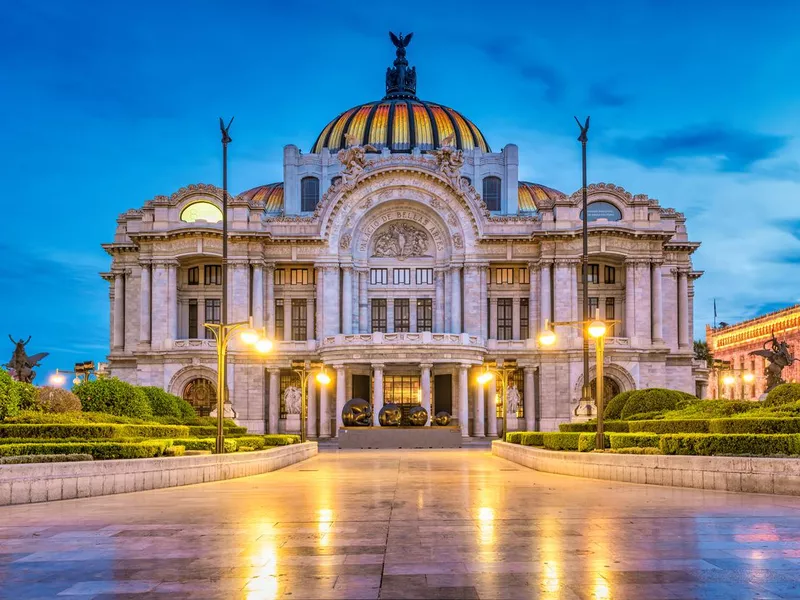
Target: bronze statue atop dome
400,80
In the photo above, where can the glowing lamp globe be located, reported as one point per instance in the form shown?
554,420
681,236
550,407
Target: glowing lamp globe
597,329
323,378
728,380
263,345
57,379
547,337
485,377
250,336
748,377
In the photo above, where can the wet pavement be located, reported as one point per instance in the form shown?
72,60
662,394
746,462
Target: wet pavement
405,524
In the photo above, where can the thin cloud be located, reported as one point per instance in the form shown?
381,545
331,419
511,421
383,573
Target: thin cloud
603,94
506,52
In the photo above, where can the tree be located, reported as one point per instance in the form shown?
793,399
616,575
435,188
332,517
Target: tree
702,352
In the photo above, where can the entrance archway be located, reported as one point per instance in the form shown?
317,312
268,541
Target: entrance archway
202,395
610,388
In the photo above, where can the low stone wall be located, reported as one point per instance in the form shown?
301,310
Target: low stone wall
722,473
22,484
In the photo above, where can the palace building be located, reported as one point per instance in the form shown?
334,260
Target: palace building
403,252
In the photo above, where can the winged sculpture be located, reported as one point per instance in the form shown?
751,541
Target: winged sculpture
779,357
21,365
399,41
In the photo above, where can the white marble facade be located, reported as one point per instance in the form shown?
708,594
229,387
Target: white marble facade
400,270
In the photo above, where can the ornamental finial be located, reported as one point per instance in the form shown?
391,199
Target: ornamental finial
401,82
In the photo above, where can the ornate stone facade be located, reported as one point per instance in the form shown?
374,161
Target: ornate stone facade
405,273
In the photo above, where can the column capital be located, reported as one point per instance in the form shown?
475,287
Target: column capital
256,262
378,366
533,265
426,365
274,370
637,261
528,370
238,262
145,262
164,262
566,262
269,266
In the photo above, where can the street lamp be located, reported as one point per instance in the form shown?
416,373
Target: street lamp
223,334
501,370
304,370
82,371
730,379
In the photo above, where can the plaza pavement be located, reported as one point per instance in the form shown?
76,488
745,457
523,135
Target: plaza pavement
405,524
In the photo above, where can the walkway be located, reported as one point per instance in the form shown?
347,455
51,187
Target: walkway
405,524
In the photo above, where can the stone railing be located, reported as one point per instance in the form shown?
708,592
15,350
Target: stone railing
193,343
510,345
618,342
422,338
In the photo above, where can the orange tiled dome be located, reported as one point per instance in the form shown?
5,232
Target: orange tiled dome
531,195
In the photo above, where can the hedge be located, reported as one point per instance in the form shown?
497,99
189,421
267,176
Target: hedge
651,400
57,400
635,450
9,403
206,444
587,441
587,427
613,409
532,438
205,431
561,440
762,425
634,440
280,439
101,417
784,393
514,437
114,396
43,458
90,431
670,426
98,450
710,444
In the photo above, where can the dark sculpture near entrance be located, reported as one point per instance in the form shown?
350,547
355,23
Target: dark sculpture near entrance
390,415
357,413
418,416
779,356
442,418
21,365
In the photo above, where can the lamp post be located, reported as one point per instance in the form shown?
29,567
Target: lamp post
501,370
583,139
82,371
223,334
730,379
223,331
304,369
597,329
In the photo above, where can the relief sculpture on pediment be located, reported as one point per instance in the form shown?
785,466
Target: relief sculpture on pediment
401,240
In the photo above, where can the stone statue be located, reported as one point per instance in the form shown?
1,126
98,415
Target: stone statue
449,161
401,241
21,365
512,399
354,161
292,399
779,356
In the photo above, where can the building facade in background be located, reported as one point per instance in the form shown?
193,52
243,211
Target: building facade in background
404,253
732,344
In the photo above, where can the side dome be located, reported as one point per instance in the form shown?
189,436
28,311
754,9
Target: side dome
533,195
271,195
401,121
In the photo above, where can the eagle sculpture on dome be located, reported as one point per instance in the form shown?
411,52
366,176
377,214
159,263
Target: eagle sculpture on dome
399,41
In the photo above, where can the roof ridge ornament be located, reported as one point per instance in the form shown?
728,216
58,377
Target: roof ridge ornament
401,82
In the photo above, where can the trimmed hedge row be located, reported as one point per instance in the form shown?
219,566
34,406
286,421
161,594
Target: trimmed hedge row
88,431
733,425
633,440
711,444
98,450
71,418
670,426
206,444
43,458
561,441
204,430
588,427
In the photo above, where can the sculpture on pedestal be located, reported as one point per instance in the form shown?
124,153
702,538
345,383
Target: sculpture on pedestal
292,398
418,416
390,415
21,365
779,356
442,418
357,413
512,399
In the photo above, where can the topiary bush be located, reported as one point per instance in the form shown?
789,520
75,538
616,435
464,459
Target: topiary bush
634,440
532,438
670,426
113,396
651,400
614,407
514,437
561,441
57,400
9,403
784,393
164,404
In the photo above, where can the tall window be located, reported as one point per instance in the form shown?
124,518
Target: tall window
379,276
212,274
504,276
299,276
505,319
299,314
424,276
524,323
610,314
193,319
401,276
280,276
610,274
194,276
309,193
402,315
401,389
594,273
524,275
379,314
594,304
424,314
491,192
279,320
213,313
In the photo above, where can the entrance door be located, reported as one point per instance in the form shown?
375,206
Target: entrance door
610,389
361,387
443,393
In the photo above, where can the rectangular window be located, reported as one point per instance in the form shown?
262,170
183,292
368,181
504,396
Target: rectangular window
424,276
299,315
212,274
401,276
524,275
379,276
193,319
504,276
524,323
213,313
401,389
402,314
610,315
279,320
505,319
594,304
594,273
280,276
424,314
379,314
610,274
194,276
309,193
299,276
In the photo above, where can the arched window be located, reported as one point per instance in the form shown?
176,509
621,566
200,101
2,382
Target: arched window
202,395
309,193
602,210
201,211
491,192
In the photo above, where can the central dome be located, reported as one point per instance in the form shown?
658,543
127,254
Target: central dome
401,121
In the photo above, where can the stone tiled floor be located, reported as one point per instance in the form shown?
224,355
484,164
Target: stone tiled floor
405,524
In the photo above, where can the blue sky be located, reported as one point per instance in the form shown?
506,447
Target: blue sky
107,104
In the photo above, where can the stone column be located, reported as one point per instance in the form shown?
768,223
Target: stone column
310,316
377,392
658,305
311,408
683,309
331,301
455,298
492,334
239,285
412,315
425,389
479,414
341,396
643,310
144,304
363,303
438,303
491,408
119,316
463,399
159,306
320,294
269,299
287,318
390,315
563,309
484,300
515,319
172,310
533,301
354,302
347,300
544,295
528,401
258,294
630,299
324,412
472,299
274,410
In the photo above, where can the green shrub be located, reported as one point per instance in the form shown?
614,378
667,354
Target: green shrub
635,450
670,426
587,441
710,409
276,439
255,442
43,458
175,451
113,396
784,393
634,440
9,403
514,437
205,431
57,400
651,400
532,438
589,426
561,441
25,395
98,450
710,444
763,425
90,431
613,409
161,403
206,444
